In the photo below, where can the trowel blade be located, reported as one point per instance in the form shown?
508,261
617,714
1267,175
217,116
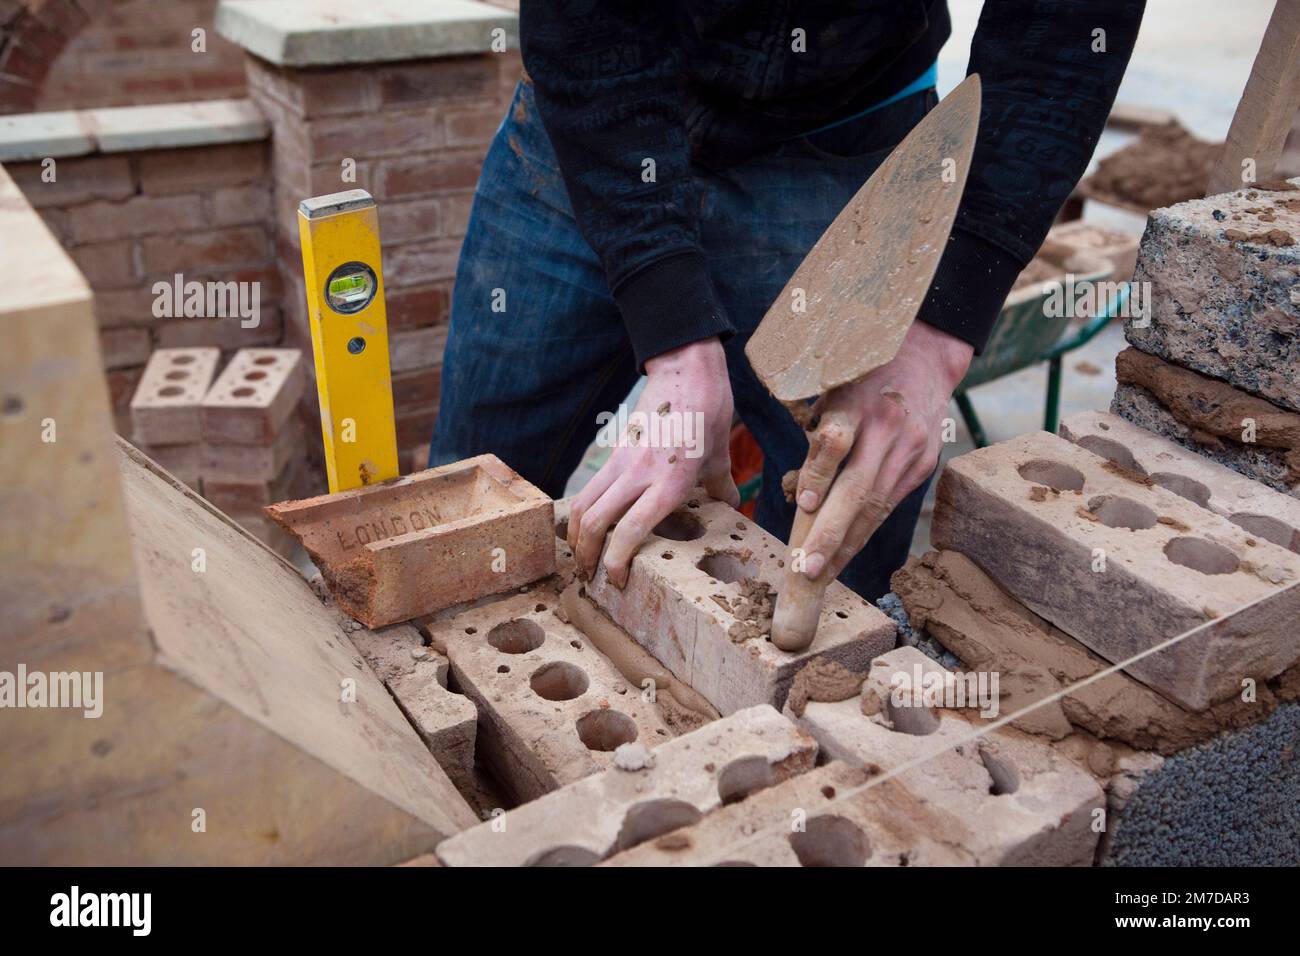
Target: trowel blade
848,306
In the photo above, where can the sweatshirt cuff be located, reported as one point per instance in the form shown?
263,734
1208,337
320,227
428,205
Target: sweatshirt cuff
970,285
669,303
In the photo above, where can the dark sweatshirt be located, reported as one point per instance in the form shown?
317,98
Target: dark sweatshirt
713,82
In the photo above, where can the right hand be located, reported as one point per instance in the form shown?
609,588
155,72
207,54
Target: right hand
641,485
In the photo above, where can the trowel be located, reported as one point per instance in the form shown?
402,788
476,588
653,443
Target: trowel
845,311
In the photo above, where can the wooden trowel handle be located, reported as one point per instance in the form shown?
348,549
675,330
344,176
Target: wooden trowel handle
799,602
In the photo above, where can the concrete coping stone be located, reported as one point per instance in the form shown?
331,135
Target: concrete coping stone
309,33
121,129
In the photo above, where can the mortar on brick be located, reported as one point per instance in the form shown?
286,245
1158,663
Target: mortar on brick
552,708
997,506
1013,799
1250,505
694,599
591,819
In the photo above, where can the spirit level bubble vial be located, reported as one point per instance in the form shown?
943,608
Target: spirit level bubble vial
349,336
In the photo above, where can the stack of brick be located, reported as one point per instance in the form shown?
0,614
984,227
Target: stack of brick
412,133
253,442
164,209
165,418
1213,365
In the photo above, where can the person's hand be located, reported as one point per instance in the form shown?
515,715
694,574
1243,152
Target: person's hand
677,437
885,430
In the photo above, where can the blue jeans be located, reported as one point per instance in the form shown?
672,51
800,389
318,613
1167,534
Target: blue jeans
527,379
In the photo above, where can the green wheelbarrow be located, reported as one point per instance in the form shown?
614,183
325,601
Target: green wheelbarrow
1027,334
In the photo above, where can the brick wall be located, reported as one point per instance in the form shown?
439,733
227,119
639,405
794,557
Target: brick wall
80,54
130,220
417,132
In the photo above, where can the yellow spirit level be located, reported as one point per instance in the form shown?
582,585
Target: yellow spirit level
349,336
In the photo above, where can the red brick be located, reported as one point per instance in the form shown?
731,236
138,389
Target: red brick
414,220
311,93
119,307
390,133
414,426
121,386
432,80
125,347
455,213
416,348
422,175
410,308
250,401
165,407
417,389
226,334
473,126
77,180
239,205
202,169
206,251
420,263
137,216
108,265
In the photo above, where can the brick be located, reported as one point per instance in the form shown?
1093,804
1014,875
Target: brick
883,826
76,180
1249,504
1265,465
257,465
206,251
1008,798
551,708
122,383
227,334
417,388
1170,566
165,409
385,133
181,461
414,545
239,205
951,599
415,221
421,263
311,93
136,216
473,126
203,169
416,306
415,425
1221,304
1210,417
593,818
437,81
416,676
430,173
455,213
297,480
702,557
123,348
108,265
416,348
251,400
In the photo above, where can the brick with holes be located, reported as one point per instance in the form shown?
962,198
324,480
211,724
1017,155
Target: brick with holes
814,819
1005,797
552,709
253,397
698,597
1251,505
1122,564
165,407
616,809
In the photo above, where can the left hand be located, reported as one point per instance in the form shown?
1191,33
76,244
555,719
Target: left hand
885,431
